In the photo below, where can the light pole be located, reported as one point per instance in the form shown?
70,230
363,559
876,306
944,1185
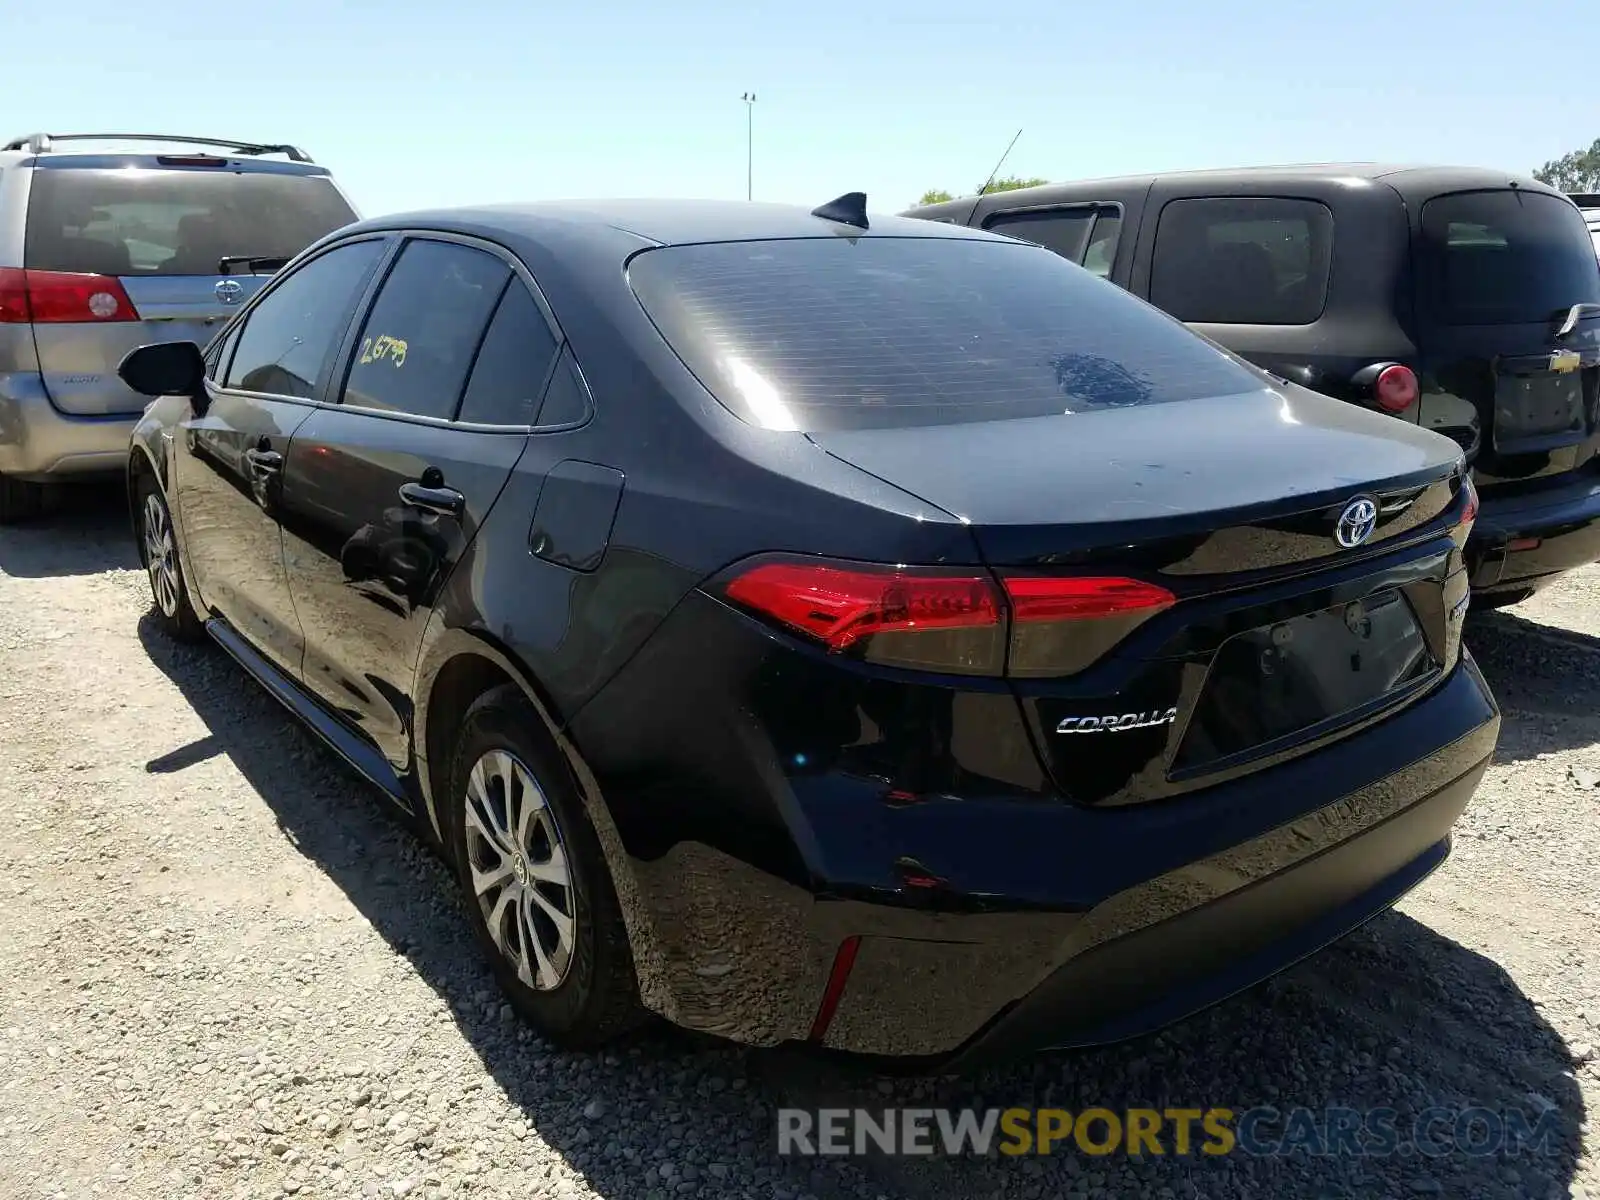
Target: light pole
749,99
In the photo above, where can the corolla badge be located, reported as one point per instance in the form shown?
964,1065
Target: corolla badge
1118,722
229,291
1356,522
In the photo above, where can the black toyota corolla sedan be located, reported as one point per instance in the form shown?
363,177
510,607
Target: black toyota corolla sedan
823,629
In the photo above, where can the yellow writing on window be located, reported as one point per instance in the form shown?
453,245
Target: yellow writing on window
384,346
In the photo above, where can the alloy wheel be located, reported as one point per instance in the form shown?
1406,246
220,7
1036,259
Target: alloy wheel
161,555
519,870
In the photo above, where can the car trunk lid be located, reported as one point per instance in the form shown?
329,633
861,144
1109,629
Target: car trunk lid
1278,638
156,229
1227,485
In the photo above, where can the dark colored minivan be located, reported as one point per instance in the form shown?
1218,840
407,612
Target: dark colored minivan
1463,300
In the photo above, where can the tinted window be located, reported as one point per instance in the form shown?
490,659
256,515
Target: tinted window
419,339
1495,258
1065,231
835,333
1242,261
173,222
289,335
566,401
513,363
1102,251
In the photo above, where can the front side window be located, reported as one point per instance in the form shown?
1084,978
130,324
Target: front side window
1249,260
422,332
1064,230
289,336
826,334
1084,235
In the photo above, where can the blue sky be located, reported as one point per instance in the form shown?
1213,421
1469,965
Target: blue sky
491,100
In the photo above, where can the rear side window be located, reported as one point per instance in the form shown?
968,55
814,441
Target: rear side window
289,335
424,328
824,334
1505,257
509,375
1251,260
141,221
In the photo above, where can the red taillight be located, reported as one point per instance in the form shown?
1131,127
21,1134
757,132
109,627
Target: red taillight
843,961
62,297
958,621
14,308
1073,599
1395,388
840,606
1469,509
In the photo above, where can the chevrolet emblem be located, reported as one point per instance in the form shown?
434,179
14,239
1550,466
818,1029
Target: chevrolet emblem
1565,360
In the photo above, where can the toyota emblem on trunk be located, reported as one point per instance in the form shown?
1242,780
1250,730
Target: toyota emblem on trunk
229,290
1356,522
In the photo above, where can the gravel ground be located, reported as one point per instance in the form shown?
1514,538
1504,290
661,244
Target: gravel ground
227,973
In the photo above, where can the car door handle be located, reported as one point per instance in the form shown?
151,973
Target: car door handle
442,501
268,462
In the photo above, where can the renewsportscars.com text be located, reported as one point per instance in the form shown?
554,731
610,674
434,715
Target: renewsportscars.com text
1262,1131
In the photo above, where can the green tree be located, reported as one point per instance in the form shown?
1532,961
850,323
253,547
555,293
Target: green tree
1575,172
1011,183
1008,183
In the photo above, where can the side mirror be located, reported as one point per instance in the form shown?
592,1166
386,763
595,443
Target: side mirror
165,369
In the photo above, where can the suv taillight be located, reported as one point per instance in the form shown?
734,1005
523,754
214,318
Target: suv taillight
1395,388
954,621
58,297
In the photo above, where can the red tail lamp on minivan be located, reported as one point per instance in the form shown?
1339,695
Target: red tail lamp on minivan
1394,385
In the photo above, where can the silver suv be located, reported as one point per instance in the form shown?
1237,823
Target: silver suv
104,250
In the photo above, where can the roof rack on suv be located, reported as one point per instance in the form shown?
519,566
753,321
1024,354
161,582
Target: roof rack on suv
40,143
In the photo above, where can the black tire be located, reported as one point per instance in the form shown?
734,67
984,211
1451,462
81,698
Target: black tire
596,996
169,589
20,500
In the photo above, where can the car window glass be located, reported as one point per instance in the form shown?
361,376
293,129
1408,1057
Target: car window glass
1063,230
217,355
422,332
1102,251
566,400
830,334
1242,260
1504,257
512,365
115,221
287,337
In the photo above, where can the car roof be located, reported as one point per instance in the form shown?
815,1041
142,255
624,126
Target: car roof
631,223
1411,180
115,160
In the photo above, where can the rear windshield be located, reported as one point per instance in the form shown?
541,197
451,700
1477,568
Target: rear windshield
134,221
1505,257
826,334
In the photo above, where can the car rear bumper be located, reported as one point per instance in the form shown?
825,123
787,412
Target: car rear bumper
38,441
990,925
1564,519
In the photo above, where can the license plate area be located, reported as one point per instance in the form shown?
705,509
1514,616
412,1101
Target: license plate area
1302,678
1540,410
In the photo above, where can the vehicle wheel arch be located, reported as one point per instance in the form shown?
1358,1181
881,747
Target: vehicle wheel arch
140,465
459,665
